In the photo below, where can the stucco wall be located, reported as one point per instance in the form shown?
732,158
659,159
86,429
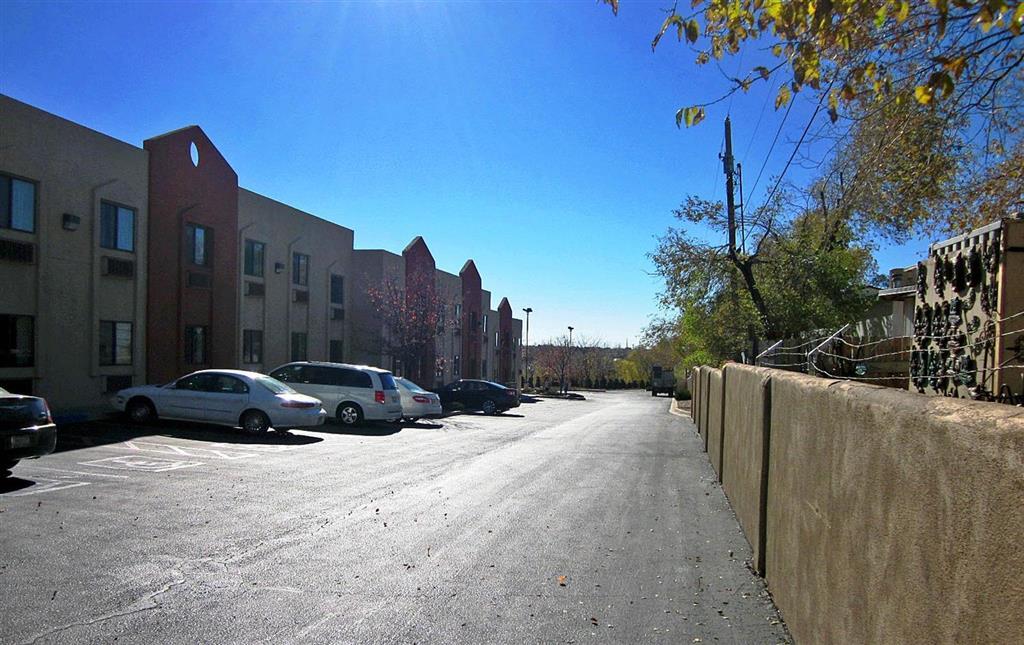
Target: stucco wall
716,399
745,453
286,230
64,288
702,426
894,517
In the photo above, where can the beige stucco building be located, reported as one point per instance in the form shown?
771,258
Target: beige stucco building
294,285
121,265
73,265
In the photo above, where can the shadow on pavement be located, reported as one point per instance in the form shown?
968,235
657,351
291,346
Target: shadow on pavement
87,434
364,429
14,484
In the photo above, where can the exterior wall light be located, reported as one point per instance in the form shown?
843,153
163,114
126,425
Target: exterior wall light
71,222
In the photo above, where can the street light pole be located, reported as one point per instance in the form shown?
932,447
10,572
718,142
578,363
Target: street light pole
526,350
568,362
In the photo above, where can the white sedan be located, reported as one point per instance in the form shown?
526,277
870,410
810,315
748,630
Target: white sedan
417,403
234,398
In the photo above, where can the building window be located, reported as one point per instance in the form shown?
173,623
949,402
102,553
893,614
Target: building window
496,340
17,341
300,269
483,369
17,204
115,343
196,342
456,366
337,351
458,314
337,290
485,323
199,241
298,346
117,227
252,345
254,252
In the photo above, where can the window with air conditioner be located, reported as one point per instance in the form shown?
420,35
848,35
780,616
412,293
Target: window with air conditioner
117,227
17,204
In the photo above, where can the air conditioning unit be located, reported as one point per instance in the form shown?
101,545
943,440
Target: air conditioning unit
300,295
203,280
116,267
12,251
255,289
337,313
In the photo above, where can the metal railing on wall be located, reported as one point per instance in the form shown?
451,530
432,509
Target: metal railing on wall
887,361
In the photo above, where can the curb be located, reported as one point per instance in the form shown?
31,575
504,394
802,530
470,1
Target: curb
674,409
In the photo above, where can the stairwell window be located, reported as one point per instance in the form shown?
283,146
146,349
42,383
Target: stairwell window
196,343
300,269
299,341
17,341
199,244
337,290
117,227
115,343
17,204
254,253
252,346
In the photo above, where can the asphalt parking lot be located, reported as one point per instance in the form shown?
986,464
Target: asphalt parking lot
561,521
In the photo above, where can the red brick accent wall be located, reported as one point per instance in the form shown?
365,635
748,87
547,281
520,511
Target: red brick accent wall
505,348
419,277
181,193
472,316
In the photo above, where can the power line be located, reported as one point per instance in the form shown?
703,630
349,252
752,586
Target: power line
771,148
796,148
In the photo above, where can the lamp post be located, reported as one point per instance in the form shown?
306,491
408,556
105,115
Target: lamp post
526,350
568,362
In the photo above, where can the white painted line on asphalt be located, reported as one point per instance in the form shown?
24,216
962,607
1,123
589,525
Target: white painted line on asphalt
73,472
171,449
255,447
144,464
44,485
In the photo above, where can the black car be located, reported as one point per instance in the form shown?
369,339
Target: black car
471,394
26,429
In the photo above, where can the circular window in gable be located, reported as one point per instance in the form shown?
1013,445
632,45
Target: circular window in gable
193,152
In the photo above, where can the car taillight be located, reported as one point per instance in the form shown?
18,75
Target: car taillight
378,396
421,399
298,404
46,416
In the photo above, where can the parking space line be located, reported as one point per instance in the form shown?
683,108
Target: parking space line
45,485
73,472
139,463
171,449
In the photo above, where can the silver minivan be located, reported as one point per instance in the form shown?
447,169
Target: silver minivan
350,393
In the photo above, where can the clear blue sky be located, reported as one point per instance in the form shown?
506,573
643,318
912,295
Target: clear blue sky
537,138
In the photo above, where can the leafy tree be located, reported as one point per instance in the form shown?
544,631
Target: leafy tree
925,96
800,274
411,317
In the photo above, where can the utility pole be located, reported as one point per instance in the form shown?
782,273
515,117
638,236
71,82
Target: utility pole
730,202
526,350
729,166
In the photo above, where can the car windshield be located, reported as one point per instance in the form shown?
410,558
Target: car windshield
409,385
388,381
274,385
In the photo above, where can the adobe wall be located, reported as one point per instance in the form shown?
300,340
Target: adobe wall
745,450
893,517
714,437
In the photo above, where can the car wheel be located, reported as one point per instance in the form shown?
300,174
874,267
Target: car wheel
255,421
349,414
140,411
488,407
